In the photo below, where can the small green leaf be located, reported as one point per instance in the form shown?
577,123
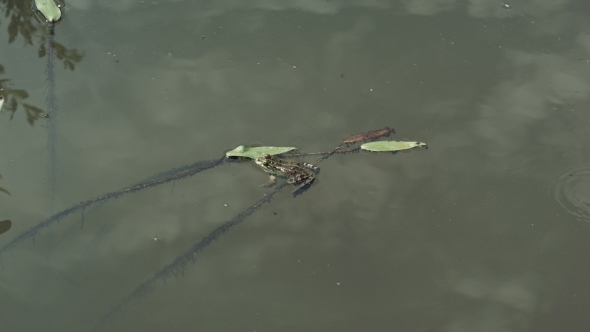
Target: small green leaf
256,152
389,146
49,9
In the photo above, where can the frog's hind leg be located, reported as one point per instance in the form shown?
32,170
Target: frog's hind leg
304,186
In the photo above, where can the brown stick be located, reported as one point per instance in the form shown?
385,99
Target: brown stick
369,135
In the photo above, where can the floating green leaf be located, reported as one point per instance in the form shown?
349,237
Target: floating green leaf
49,9
391,146
256,152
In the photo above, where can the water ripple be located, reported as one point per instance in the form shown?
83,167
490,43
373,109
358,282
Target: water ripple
571,189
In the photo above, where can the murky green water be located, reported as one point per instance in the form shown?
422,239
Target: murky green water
487,230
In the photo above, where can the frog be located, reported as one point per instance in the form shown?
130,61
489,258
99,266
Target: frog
295,172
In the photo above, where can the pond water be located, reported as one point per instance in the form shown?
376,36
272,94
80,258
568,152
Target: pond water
487,230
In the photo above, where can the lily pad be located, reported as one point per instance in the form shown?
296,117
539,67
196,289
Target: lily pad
392,146
256,152
49,9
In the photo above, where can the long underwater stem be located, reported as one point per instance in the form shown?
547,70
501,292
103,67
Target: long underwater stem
186,171
178,266
51,104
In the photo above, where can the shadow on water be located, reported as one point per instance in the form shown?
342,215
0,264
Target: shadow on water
24,22
21,17
5,226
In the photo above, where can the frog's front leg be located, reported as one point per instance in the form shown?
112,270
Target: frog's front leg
272,180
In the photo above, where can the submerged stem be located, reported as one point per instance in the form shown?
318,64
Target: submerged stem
178,266
159,179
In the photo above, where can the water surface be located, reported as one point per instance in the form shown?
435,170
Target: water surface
487,230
